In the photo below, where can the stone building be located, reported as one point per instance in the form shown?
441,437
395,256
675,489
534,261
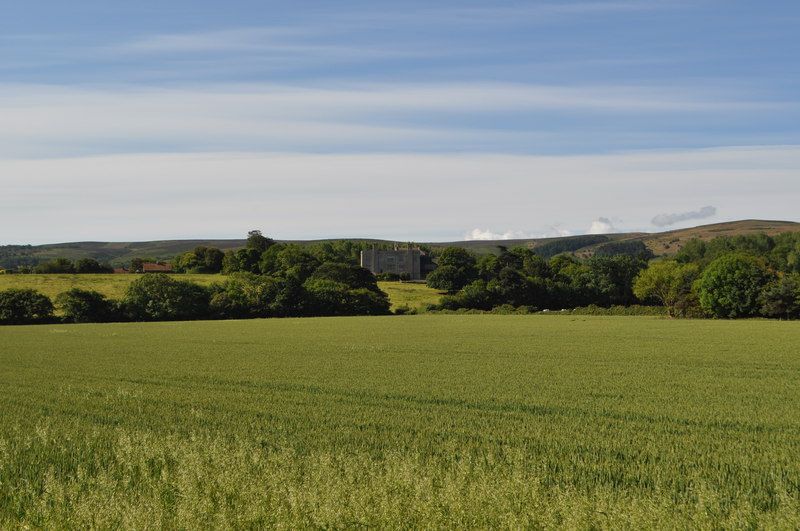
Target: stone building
411,262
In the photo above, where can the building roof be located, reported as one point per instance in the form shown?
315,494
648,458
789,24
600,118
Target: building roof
152,267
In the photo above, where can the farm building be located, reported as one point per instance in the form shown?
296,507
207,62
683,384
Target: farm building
411,263
152,267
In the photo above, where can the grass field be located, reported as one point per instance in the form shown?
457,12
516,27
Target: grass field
114,286
410,295
454,421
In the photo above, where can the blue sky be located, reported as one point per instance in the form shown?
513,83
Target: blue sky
412,120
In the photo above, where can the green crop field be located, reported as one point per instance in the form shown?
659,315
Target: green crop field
418,421
114,286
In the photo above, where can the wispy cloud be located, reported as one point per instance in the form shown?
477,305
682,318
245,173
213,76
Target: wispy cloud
291,43
368,117
231,40
531,12
665,220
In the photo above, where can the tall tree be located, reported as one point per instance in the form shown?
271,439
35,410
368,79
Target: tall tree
731,284
259,242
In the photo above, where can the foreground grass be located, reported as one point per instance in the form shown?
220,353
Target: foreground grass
456,421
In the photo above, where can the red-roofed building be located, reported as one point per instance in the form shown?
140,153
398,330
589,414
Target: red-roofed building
152,267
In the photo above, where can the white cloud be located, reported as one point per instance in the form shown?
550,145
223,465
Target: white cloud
602,226
550,231
557,231
485,234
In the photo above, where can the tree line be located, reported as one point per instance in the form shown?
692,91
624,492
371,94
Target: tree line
279,281
331,289
728,277
261,255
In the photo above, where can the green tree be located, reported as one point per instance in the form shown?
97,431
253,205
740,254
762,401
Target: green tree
668,283
609,280
352,276
693,250
245,295
259,242
456,267
158,297
535,266
731,284
199,260
91,266
84,306
476,295
295,261
781,298
24,306
244,260
510,287
211,258
137,265
57,266
562,266
328,297
487,266
785,256
268,262
445,278
185,263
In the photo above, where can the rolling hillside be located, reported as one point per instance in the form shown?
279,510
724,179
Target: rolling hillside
661,243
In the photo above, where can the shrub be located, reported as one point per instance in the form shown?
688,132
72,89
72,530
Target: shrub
90,265
24,306
730,286
781,298
405,309
632,310
157,297
352,276
245,295
476,295
84,306
57,266
446,278
327,297
367,302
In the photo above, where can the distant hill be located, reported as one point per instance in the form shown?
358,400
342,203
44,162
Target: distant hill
661,243
668,243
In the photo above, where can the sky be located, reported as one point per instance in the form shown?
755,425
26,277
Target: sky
411,121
